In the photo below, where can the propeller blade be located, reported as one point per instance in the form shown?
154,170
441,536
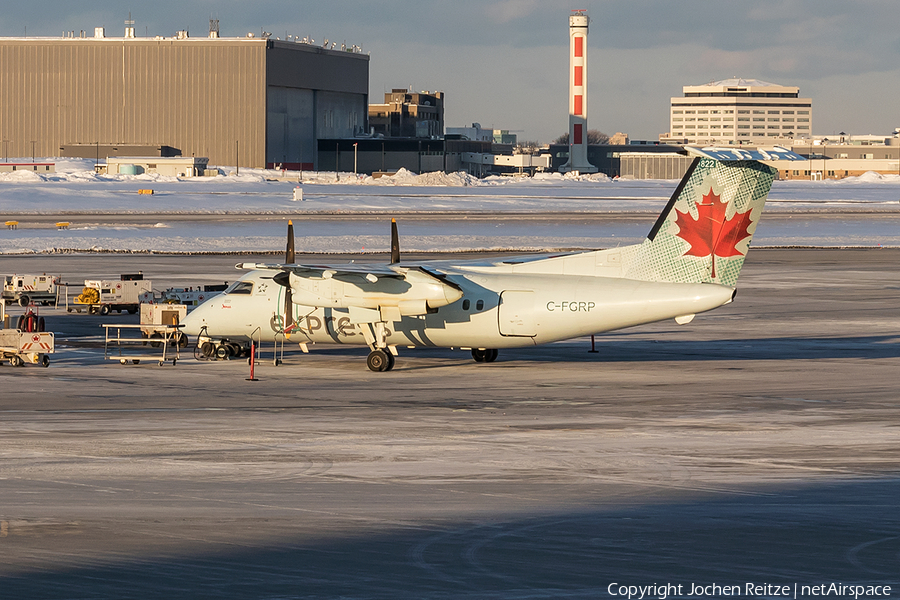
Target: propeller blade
289,255
395,243
289,259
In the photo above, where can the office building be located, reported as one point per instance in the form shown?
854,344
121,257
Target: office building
407,114
740,111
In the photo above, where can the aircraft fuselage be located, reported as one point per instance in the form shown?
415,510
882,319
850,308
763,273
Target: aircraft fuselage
494,311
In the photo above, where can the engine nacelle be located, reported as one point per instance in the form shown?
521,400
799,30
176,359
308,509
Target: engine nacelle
412,294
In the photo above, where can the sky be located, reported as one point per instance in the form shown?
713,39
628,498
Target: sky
504,63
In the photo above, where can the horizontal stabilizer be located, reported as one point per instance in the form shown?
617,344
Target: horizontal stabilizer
730,154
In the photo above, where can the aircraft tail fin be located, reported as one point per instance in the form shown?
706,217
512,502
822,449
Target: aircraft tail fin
704,233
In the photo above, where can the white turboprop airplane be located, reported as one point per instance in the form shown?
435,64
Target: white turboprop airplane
688,264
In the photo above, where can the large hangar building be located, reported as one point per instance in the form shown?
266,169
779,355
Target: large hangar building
252,101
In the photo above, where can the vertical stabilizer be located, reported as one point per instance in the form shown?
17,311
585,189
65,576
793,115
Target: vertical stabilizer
704,233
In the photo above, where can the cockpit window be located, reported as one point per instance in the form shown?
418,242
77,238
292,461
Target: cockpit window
240,287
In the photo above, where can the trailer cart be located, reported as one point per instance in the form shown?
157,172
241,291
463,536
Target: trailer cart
126,343
33,347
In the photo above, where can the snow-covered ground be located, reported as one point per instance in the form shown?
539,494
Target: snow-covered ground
247,212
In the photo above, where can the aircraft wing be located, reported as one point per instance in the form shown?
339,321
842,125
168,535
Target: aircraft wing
329,271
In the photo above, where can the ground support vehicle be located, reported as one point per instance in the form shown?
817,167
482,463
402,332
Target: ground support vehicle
189,296
28,342
18,347
126,343
27,289
103,297
163,314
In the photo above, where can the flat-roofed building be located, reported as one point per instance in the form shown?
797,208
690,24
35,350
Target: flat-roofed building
409,114
740,111
249,101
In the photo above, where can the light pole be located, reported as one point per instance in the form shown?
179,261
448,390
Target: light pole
237,157
824,158
810,159
33,142
5,150
300,163
355,144
790,134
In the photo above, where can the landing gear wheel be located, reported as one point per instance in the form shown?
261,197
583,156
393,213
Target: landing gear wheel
123,361
391,360
485,354
180,339
378,361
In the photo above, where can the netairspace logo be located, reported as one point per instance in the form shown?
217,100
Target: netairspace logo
747,590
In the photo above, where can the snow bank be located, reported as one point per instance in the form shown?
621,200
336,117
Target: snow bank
438,178
21,177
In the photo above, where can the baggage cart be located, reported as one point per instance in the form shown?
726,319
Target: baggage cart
126,343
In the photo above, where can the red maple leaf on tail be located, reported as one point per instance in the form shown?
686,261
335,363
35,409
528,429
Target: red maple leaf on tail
711,234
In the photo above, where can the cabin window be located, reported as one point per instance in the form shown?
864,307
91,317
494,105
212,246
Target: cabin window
466,304
479,305
240,287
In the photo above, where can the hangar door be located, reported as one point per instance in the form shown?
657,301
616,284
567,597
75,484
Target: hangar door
517,314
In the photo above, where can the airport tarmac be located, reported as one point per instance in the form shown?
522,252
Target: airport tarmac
758,444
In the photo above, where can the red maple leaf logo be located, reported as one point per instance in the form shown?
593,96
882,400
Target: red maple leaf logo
711,234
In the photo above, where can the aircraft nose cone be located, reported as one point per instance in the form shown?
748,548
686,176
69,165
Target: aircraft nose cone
193,321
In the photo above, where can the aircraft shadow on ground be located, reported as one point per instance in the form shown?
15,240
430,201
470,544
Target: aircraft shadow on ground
622,349
846,532
625,348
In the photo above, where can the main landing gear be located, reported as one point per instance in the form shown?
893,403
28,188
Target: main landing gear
380,358
380,361
485,354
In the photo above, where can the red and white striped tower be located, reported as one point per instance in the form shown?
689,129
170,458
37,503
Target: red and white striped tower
578,32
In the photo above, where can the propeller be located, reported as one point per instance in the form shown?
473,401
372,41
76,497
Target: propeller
395,243
288,304
283,278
